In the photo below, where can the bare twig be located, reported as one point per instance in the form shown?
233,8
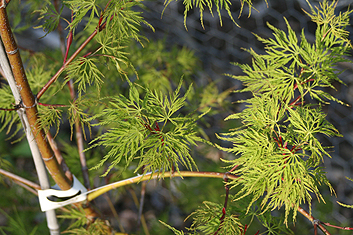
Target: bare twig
334,226
115,213
143,221
35,192
313,220
224,209
20,179
58,156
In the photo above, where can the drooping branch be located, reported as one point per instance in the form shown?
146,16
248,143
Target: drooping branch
149,176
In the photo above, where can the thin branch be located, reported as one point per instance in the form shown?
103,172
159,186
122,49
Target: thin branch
29,189
52,105
142,201
59,157
149,176
57,74
20,179
78,129
80,149
313,220
115,213
73,56
5,109
334,226
143,221
224,209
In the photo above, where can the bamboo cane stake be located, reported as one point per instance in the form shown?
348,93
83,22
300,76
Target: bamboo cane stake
52,222
29,104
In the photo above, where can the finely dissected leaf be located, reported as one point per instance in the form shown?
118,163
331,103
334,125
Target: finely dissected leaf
279,153
176,232
80,9
123,21
84,71
16,224
112,48
48,117
50,16
219,4
76,112
206,219
275,225
98,227
148,129
8,118
332,24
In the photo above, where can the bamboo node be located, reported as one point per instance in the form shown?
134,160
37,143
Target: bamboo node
3,4
35,103
48,159
12,52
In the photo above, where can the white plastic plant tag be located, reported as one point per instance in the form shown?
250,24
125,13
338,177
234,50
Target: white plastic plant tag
77,193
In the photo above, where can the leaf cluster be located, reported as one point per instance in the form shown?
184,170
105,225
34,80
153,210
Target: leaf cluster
206,220
150,129
16,225
49,16
209,4
8,119
277,148
81,225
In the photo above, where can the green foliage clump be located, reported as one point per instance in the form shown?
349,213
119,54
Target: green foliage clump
98,227
207,220
278,154
219,4
150,129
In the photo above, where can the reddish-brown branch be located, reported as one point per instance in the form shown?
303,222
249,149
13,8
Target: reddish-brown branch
295,101
5,109
72,57
52,105
80,149
78,129
57,74
224,209
334,226
313,220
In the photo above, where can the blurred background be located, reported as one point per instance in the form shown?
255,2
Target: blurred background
215,47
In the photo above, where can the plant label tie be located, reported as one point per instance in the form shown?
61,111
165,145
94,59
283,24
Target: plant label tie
50,199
